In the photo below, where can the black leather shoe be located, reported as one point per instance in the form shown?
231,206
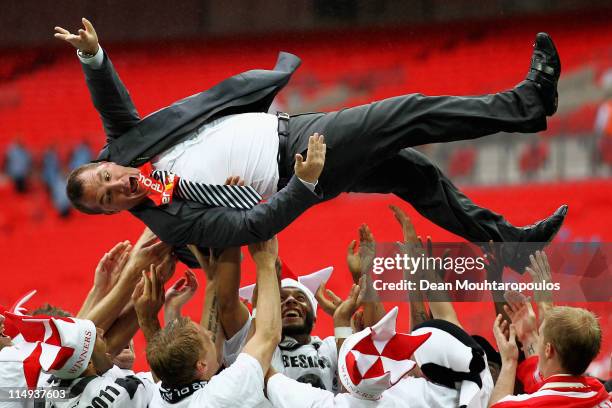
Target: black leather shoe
545,70
535,237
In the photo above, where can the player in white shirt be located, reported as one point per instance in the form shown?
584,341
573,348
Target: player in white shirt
299,355
110,389
184,357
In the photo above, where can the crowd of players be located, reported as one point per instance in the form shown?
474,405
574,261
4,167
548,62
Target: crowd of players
266,355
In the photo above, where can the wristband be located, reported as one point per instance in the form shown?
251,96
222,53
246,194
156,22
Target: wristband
342,332
85,55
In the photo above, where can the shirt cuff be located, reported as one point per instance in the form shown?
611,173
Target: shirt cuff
310,186
95,62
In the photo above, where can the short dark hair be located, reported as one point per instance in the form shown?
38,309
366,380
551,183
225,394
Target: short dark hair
50,310
75,189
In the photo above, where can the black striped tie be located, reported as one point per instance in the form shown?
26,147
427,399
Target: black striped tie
214,195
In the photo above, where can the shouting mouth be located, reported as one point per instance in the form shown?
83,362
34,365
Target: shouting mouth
133,185
292,314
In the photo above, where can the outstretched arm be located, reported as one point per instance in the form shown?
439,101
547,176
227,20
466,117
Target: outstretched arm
505,335
268,324
222,227
110,97
233,314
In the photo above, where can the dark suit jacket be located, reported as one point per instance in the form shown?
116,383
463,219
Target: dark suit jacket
132,141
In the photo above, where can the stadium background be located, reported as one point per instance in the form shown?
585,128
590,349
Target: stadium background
353,52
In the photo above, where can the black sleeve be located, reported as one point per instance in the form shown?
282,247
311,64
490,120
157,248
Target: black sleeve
111,99
222,227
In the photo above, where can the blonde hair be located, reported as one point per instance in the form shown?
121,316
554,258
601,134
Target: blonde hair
576,336
174,352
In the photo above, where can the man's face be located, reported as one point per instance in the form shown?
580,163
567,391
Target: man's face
125,359
111,188
543,356
209,351
100,358
296,312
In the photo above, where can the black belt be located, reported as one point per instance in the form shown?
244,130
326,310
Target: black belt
283,145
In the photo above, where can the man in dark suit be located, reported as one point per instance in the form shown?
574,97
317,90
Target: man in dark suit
366,148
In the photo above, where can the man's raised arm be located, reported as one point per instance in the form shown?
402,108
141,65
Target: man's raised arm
110,97
268,323
221,227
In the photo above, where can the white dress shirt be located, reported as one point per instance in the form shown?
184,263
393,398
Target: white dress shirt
244,145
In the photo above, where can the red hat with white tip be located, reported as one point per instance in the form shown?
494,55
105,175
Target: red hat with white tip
377,357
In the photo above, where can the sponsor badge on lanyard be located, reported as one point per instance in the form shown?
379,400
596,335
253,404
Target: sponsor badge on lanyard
158,192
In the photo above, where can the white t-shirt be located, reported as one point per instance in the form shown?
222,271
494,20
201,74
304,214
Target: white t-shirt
240,385
410,392
315,363
244,145
112,389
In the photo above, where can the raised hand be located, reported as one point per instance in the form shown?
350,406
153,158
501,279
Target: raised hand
357,322
359,261
265,253
346,309
408,230
148,250
148,295
167,267
86,41
505,336
327,299
523,318
539,270
494,265
207,263
310,169
110,266
182,291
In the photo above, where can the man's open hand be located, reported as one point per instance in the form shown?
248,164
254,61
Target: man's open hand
523,318
265,253
328,301
86,41
408,230
110,266
346,309
182,290
148,296
310,169
360,261
505,336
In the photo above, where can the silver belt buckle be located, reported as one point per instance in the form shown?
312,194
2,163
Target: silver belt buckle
283,115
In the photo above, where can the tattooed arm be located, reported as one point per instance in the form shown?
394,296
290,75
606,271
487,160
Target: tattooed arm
210,310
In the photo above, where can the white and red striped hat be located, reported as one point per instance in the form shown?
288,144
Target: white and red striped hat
308,284
377,357
61,346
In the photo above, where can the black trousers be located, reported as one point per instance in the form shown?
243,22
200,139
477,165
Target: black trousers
368,151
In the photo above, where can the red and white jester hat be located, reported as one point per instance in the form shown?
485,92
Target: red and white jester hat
61,346
377,357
